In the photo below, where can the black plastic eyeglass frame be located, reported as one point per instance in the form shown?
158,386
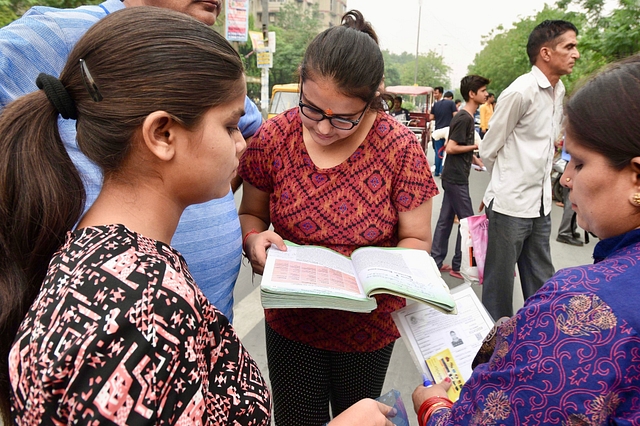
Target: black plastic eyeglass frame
345,121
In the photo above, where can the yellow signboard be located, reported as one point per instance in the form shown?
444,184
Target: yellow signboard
264,57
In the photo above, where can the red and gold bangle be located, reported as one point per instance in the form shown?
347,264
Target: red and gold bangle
244,240
430,405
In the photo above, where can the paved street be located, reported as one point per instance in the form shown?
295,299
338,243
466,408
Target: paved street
403,375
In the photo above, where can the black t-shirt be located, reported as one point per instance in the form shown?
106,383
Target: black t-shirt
403,114
443,112
457,166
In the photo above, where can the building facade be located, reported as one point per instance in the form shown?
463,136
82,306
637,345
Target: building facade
330,10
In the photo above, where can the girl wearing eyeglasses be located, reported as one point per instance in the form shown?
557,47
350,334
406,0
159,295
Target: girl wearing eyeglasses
338,172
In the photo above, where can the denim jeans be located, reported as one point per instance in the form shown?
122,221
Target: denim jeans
438,159
455,201
515,240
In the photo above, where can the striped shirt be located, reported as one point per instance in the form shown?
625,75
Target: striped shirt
208,235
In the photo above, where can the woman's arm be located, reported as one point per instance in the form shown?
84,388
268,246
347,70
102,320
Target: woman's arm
414,227
255,221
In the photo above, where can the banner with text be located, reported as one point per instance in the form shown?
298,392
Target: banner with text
237,20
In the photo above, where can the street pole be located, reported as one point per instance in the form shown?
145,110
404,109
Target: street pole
264,78
415,74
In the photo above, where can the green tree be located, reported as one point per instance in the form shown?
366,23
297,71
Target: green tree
401,69
295,28
7,15
603,38
607,38
504,56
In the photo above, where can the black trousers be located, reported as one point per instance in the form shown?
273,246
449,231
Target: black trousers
305,380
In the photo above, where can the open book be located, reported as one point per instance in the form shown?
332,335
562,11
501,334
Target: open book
318,277
445,345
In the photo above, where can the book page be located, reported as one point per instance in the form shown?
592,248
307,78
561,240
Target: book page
320,270
427,331
402,271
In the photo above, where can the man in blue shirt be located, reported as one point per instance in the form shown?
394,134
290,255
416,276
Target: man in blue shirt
442,112
208,235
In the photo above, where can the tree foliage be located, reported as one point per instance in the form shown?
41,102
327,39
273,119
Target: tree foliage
610,37
602,39
295,29
504,56
401,69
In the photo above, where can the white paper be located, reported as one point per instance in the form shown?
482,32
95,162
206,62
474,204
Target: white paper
427,331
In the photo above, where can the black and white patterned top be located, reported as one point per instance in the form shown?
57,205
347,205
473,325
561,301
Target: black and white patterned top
121,334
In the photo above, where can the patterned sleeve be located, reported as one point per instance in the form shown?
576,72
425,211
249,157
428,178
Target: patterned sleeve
565,358
413,183
255,164
138,344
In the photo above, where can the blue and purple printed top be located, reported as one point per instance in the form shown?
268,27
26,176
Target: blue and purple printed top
570,356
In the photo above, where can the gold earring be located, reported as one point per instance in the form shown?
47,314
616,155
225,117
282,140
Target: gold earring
636,199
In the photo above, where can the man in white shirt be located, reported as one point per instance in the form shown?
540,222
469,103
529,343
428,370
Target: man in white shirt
518,151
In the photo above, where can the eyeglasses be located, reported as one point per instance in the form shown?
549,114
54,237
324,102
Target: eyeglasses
316,114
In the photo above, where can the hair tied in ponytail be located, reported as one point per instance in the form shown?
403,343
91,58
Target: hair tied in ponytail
57,95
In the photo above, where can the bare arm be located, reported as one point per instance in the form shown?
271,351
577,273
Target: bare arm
255,221
414,227
454,147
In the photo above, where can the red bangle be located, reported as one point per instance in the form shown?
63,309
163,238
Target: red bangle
433,410
430,405
244,240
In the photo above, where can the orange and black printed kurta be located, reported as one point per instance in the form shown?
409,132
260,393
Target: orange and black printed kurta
351,205
120,334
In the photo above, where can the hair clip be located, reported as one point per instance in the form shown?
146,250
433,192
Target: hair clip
89,82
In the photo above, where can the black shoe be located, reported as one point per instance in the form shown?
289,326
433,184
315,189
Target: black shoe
576,234
569,240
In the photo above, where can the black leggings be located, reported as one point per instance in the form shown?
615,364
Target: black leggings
304,380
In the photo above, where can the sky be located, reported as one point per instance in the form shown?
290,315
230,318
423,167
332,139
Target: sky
452,28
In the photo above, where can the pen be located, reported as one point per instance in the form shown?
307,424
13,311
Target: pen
425,381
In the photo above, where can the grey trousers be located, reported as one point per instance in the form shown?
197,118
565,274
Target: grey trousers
455,201
567,215
515,240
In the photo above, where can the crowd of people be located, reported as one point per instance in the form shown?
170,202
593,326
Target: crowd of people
120,242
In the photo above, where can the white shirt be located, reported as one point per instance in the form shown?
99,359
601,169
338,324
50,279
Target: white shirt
518,148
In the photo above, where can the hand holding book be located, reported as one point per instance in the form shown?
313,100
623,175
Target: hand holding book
317,277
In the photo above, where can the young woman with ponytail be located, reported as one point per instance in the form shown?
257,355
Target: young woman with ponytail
106,321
